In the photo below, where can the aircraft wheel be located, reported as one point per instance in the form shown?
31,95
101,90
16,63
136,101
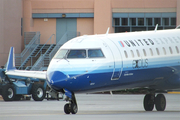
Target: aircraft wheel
8,92
160,102
74,108
38,92
67,109
149,102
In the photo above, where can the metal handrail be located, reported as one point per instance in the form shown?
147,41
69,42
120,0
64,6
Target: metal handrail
38,64
28,50
32,42
50,38
41,58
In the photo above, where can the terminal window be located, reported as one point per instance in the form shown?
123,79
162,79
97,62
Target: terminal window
143,24
140,21
149,21
132,21
124,21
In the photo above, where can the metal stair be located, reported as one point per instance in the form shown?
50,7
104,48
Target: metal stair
40,55
42,51
43,60
21,59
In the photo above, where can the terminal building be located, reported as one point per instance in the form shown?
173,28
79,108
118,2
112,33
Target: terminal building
56,21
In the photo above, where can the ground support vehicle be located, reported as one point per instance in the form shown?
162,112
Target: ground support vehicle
15,89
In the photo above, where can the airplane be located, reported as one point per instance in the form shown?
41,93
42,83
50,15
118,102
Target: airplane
110,62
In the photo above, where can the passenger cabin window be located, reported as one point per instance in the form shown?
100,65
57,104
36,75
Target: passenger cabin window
126,54
138,53
60,54
164,50
132,53
177,49
157,50
170,50
77,54
95,53
144,51
151,51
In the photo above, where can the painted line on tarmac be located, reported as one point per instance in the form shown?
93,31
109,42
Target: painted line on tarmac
173,92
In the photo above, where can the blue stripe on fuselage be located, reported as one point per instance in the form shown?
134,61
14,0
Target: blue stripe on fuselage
101,81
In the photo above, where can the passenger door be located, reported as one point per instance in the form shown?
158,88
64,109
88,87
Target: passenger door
117,58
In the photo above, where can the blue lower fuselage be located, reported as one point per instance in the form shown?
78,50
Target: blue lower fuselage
155,78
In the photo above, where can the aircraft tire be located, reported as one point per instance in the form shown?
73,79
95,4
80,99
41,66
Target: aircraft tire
67,109
38,92
74,108
148,102
160,102
8,92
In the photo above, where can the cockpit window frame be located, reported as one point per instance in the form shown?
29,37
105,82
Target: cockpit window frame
103,56
55,56
80,56
86,53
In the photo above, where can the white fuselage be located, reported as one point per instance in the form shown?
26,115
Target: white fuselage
137,59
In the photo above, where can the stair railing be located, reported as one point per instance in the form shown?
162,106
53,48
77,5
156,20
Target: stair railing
21,58
40,62
51,42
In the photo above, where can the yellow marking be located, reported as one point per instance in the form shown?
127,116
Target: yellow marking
174,92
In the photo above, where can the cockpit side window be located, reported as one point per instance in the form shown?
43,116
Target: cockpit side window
95,53
60,54
77,54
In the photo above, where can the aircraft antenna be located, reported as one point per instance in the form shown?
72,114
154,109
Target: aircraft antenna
156,28
107,31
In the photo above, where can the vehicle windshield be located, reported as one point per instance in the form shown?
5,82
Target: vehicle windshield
60,54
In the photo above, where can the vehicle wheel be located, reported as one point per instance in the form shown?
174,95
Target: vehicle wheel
148,102
160,102
8,92
38,92
67,109
74,108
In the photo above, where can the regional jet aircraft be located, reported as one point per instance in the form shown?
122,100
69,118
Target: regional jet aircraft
109,62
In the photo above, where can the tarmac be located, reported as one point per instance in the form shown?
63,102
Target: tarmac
91,107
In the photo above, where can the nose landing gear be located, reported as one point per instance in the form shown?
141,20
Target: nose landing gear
159,101
70,107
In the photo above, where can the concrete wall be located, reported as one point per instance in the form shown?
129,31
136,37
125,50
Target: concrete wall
144,4
47,28
178,13
102,16
10,28
85,26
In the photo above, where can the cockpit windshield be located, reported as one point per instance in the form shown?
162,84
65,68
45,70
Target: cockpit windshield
61,54
79,53
95,53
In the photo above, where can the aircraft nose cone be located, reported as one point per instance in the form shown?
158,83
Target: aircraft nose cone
56,79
